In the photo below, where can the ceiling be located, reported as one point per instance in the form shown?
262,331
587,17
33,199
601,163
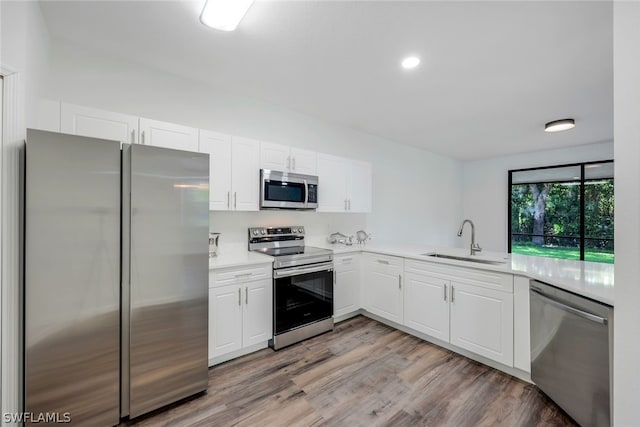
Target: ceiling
492,73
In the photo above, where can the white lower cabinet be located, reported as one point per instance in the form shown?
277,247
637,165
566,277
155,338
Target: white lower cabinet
346,288
426,305
240,313
382,286
469,308
482,321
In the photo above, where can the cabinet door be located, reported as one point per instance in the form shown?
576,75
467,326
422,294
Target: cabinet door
426,305
275,157
359,186
245,172
346,289
225,320
304,161
168,135
332,185
382,286
84,121
257,319
219,148
482,321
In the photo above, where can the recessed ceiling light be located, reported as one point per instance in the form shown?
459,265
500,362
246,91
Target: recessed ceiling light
559,125
410,62
224,15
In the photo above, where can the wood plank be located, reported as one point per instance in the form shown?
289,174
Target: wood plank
363,373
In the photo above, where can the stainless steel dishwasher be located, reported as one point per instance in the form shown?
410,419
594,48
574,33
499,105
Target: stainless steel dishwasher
572,352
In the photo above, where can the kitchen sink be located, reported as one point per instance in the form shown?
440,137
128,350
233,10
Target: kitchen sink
465,258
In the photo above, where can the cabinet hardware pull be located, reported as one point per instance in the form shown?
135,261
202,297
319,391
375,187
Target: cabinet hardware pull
345,260
383,261
239,296
345,204
244,274
228,199
294,163
349,204
335,273
142,138
453,295
399,281
246,295
133,136
445,291
289,162
235,200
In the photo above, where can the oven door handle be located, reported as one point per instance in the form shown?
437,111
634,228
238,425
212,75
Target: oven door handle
306,194
296,271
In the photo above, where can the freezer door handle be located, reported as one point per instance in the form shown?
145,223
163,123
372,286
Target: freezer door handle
572,310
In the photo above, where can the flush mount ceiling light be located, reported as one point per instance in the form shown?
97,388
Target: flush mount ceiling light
410,62
224,15
560,125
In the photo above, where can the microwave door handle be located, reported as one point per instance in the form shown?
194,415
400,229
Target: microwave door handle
306,194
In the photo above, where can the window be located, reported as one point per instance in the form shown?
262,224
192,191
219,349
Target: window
563,211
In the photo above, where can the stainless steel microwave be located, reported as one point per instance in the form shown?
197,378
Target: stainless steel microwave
284,190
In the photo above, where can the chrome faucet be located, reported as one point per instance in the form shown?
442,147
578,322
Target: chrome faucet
474,246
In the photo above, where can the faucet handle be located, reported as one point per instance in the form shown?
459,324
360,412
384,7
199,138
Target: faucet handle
476,247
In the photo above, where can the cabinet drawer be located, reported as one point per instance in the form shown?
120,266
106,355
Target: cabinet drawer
346,261
230,276
477,277
384,260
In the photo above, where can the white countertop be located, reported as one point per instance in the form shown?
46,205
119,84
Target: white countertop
237,258
590,279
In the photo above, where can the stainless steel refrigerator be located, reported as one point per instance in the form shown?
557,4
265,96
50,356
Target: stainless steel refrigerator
116,277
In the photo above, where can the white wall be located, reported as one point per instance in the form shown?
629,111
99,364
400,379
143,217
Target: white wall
24,43
485,185
24,46
627,233
416,194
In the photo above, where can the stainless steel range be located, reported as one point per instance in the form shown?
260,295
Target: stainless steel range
302,283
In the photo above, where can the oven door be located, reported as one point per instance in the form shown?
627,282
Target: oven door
282,190
302,295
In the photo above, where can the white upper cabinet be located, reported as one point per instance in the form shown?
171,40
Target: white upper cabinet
168,135
274,157
287,159
234,171
84,121
345,184
218,146
332,183
304,161
245,174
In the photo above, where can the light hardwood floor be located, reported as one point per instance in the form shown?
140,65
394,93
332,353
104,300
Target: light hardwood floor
363,373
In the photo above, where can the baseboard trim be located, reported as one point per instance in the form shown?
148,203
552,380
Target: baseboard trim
238,353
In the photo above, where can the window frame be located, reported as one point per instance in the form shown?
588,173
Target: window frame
582,201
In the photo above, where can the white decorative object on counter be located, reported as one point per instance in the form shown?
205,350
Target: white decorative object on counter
362,236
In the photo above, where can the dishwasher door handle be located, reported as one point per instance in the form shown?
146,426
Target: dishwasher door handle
561,306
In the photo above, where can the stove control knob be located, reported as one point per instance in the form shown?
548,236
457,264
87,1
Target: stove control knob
263,231
300,230
255,232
